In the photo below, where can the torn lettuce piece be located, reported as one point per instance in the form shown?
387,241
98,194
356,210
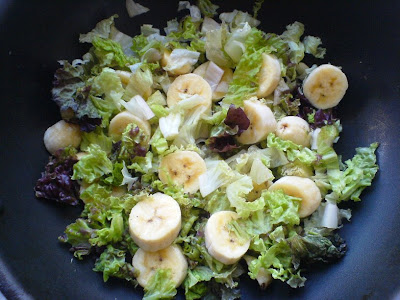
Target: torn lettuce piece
140,83
56,183
160,286
97,137
135,9
207,8
93,165
292,150
71,93
110,53
312,46
101,30
112,263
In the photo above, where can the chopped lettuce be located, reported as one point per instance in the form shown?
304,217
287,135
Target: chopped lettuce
93,165
160,286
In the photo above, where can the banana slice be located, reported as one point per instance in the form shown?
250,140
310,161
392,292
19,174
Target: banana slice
183,168
165,61
269,75
223,244
123,119
155,222
303,188
325,86
262,122
222,87
186,86
61,135
294,129
147,263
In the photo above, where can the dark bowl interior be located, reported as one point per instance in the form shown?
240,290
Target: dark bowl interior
361,36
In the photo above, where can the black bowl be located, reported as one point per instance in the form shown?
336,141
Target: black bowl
361,36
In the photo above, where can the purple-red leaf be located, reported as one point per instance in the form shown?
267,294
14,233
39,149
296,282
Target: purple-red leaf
56,183
237,117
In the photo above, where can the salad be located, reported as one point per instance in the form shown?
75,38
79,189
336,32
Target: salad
202,154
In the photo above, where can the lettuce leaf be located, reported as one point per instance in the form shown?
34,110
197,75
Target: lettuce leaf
109,53
112,262
101,30
160,286
292,150
71,93
207,8
97,137
56,183
93,165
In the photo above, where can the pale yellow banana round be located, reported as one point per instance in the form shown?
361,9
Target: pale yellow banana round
147,264
185,86
165,60
61,135
182,168
123,119
223,244
268,76
155,222
303,188
262,122
222,87
325,86
294,129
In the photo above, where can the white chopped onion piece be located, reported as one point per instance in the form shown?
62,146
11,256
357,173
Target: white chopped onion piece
213,75
330,218
135,9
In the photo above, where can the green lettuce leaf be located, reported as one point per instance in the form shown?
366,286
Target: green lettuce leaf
93,165
160,286
292,150
71,93
109,53
207,8
112,262
312,46
101,30
107,92
97,137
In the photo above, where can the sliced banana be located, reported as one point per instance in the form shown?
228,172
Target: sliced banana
123,119
325,86
186,86
182,168
269,75
165,61
303,188
294,129
222,87
155,222
61,135
257,190
223,244
262,122
147,263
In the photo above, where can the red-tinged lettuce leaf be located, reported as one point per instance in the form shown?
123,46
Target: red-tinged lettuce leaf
56,183
222,144
71,94
315,117
237,117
